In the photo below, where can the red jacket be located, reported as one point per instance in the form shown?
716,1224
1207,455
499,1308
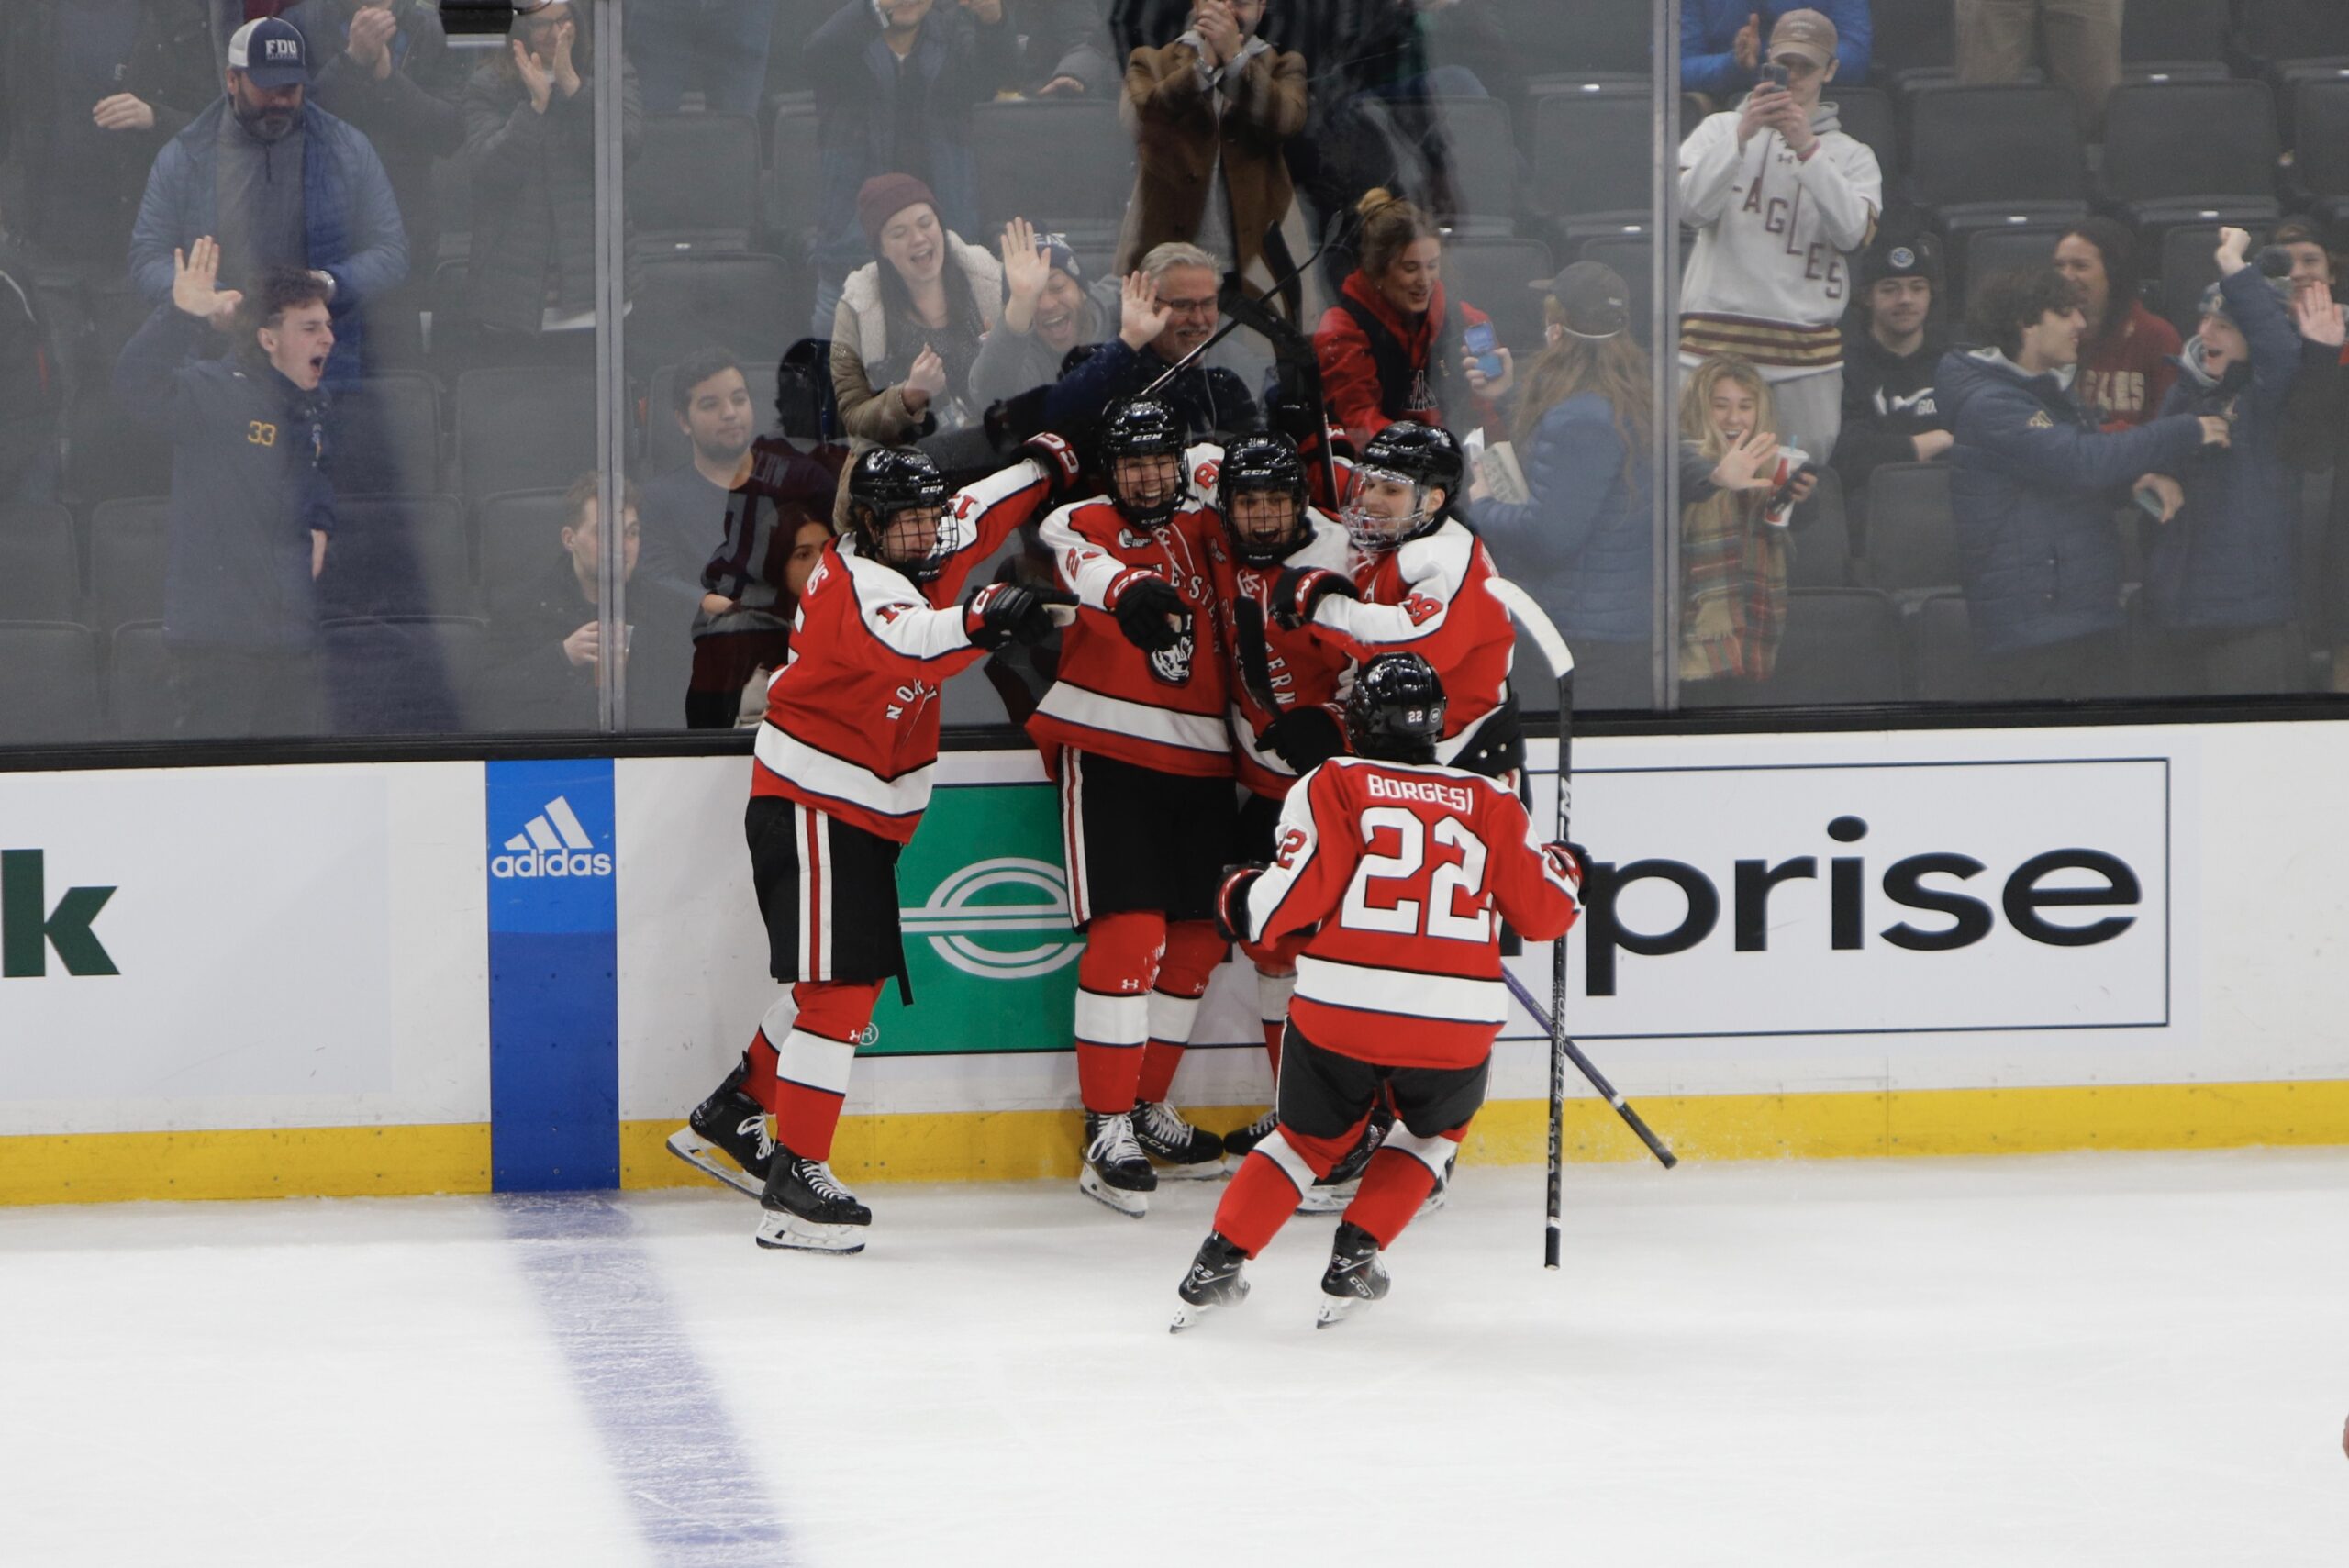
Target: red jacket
852,724
1401,867
1350,377
2123,379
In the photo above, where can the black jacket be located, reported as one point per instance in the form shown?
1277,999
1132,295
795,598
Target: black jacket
412,115
1207,399
527,681
1888,398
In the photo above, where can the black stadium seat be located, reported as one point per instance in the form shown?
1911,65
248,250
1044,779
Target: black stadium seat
1821,538
2321,160
1914,44
1066,165
2173,40
1866,116
1590,160
138,683
41,571
396,555
49,684
1942,648
1990,251
1842,645
1912,537
399,675
384,436
520,533
522,430
1982,157
686,303
794,179
129,549
694,185
1580,41
1496,275
2190,264
2191,152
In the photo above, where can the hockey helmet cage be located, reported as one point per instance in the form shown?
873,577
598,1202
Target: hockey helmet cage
1262,464
884,481
1395,712
1143,428
1425,456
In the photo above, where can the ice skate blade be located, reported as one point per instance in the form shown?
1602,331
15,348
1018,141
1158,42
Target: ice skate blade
1134,1206
1336,1309
1187,1313
1328,1200
787,1232
1435,1201
1201,1170
703,1156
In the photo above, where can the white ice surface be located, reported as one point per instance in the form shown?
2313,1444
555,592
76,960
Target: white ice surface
2108,1358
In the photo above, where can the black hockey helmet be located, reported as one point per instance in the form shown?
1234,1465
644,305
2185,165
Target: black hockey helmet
1257,465
884,481
1425,456
1395,712
1143,428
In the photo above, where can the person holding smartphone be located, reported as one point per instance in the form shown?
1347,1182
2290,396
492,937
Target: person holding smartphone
1394,347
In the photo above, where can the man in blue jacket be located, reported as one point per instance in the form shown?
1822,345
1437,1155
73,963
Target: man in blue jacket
251,508
1721,41
278,182
2033,489
2220,585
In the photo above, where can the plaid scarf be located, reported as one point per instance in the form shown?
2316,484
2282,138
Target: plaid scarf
1733,588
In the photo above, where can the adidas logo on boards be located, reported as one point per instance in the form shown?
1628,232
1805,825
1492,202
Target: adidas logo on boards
551,844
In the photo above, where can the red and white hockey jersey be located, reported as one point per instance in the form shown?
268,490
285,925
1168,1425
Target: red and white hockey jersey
852,724
1403,866
1300,668
1430,597
1110,699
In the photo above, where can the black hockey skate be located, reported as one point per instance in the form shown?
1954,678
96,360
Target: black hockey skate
1116,1171
1239,1142
1355,1278
729,1121
807,1210
1186,1153
1333,1191
1214,1281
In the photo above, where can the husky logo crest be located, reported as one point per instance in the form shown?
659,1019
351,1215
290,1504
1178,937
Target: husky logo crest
1171,666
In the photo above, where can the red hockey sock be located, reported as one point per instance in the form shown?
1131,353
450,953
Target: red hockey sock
1272,991
1158,1064
1265,1191
1193,949
1114,977
760,1084
1273,1047
812,1062
1396,1181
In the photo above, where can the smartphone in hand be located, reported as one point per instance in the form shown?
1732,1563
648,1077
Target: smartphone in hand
1478,340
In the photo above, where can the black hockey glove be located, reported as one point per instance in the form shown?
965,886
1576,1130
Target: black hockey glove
1231,902
1002,613
1149,611
1299,588
1305,737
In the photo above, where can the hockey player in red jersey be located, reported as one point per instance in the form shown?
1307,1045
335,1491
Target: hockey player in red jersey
1286,683
1388,874
1420,586
842,773
1134,730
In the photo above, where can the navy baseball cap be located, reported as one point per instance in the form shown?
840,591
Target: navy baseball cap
270,52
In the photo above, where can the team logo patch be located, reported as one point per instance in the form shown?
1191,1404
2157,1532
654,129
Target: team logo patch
1171,666
1903,258
2039,421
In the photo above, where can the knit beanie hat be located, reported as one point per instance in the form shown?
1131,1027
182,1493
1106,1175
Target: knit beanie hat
882,197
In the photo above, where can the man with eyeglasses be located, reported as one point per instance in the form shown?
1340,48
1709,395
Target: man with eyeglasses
1167,310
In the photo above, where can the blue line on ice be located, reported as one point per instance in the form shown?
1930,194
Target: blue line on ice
673,1451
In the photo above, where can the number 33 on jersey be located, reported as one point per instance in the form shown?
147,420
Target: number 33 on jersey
1402,868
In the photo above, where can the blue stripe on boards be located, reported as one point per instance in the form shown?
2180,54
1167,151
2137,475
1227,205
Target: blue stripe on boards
553,991
672,1448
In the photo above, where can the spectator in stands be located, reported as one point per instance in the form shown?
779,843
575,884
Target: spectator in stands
1209,113
684,509
530,148
1047,312
906,331
539,670
89,94
1892,343
2078,42
1732,529
777,519
896,80
1779,197
1065,51
279,182
2034,487
2221,594
1391,348
384,66
717,48
2317,417
29,406
1166,311
2130,356
251,508
1720,42
1581,542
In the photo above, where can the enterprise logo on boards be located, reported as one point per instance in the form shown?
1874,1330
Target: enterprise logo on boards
1010,900
552,843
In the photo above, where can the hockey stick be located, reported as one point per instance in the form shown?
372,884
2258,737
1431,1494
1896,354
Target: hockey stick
1561,660
1228,327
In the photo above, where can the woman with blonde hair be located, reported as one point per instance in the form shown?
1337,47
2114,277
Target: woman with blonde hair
1732,539
1391,348
1583,433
